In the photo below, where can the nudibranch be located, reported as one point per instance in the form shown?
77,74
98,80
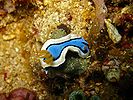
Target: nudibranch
58,49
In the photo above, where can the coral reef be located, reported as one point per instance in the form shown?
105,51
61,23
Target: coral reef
3,96
19,94
23,94
113,75
111,69
95,97
75,65
77,95
100,14
125,86
113,32
58,33
25,25
55,85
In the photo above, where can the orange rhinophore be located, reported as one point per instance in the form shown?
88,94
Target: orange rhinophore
46,55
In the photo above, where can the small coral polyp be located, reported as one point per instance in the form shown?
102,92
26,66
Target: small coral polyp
58,49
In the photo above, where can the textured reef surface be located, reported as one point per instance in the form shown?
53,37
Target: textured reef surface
85,47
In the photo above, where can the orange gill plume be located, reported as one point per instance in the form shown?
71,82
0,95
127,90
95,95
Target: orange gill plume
45,54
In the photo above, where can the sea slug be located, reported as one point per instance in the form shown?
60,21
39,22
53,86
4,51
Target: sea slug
58,48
